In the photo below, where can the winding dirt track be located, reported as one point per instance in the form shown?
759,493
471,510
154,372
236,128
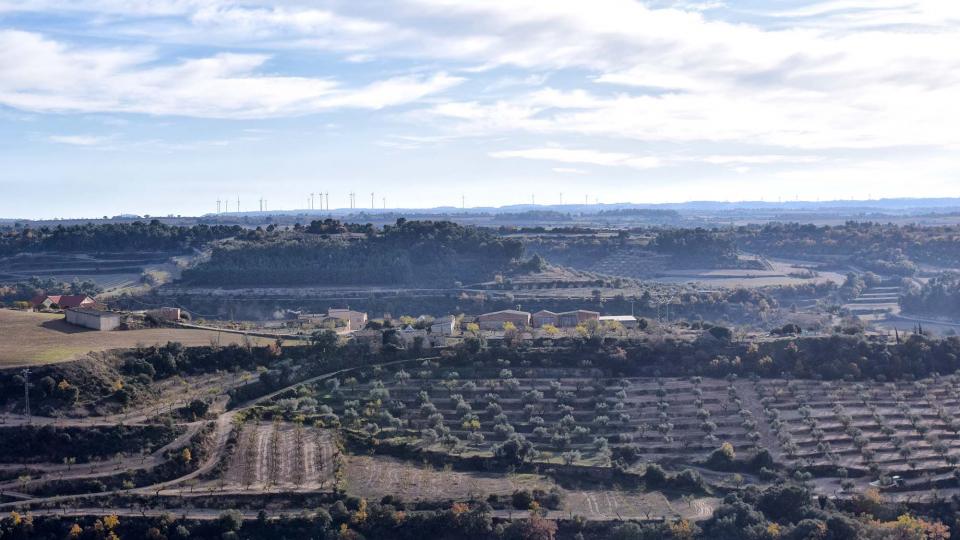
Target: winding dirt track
221,434
317,473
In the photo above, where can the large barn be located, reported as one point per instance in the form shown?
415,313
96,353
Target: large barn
496,320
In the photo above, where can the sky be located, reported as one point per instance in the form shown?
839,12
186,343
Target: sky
163,107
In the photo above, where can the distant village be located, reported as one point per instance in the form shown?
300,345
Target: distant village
408,332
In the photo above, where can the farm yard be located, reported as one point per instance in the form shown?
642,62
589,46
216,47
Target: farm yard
44,338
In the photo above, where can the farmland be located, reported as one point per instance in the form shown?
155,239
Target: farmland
869,430
419,434
573,416
281,456
110,271
844,433
43,338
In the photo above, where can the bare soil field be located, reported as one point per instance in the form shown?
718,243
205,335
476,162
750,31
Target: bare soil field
281,456
781,272
611,504
375,476
43,338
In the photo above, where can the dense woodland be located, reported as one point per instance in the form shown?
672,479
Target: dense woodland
939,296
696,245
137,236
885,249
49,444
407,253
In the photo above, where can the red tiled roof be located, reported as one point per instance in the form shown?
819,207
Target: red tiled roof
64,301
77,300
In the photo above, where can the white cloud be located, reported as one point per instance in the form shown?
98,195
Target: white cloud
735,162
756,159
38,74
78,140
755,92
718,81
593,157
568,170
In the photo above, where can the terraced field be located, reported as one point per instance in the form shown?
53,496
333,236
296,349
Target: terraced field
840,432
868,429
569,417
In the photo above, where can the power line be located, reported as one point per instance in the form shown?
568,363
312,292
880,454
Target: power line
26,393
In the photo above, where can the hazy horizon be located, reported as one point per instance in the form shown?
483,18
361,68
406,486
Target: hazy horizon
907,204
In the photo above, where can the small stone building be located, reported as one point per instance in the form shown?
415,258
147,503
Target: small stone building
94,319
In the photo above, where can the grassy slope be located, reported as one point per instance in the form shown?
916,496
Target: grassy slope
43,338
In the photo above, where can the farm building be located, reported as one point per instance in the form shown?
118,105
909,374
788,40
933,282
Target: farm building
444,326
627,321
356,320
410,334
64,301
570,319
93,318
166,313
496,319
544,317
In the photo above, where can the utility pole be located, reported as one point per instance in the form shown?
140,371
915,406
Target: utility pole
218,206
26,393
311,201
372,203
328,201
238,204
463,202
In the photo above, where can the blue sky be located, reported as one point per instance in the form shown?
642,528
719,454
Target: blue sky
163,106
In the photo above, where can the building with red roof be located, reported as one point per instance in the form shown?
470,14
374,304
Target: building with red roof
64,301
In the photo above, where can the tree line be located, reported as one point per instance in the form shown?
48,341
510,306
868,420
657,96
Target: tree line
940,296
136,236
409,252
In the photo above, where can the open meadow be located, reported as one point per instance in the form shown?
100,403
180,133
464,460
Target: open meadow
42,338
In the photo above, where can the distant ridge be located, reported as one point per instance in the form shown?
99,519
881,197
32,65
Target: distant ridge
853,207
865,205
